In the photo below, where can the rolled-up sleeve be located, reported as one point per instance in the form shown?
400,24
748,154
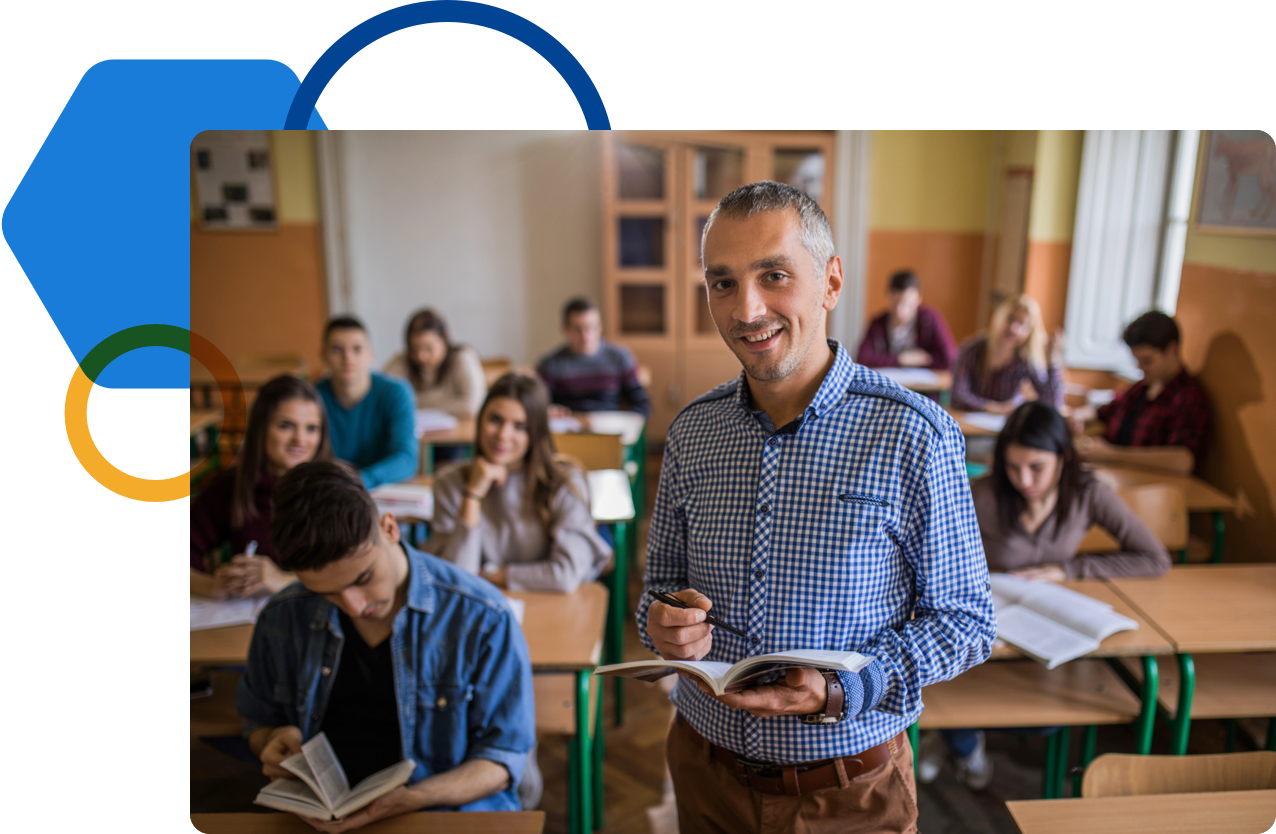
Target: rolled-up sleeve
502,714
954,623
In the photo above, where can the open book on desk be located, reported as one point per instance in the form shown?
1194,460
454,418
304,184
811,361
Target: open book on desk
219,613
724,678
1050,623
323,792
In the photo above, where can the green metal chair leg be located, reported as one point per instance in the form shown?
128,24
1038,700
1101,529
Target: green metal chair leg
1183,717
618,611
913,733
1048,779
1146,689
1220,528
1061,768
1271,734
583,789
599,756
1231,735
1088,742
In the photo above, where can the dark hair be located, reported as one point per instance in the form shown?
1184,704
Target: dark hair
579,304
545,473
342,323
1154,329
767,196
252,456
1038,426
322,515
904,279
427,321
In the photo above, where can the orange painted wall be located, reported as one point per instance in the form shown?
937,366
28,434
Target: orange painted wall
948,264
259,293
1229,341
1046,278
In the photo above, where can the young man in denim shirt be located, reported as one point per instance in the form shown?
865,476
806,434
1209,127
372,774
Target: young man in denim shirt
392,653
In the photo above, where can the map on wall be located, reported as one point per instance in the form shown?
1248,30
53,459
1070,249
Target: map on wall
1238,183
234,188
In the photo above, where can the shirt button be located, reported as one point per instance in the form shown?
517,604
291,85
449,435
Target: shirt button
757,574
773,443
764,509
441,702
325,671
755,639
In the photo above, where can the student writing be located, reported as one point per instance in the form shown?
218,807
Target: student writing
908,334
286,427
444,376
518,514
993,368
372,416
391,653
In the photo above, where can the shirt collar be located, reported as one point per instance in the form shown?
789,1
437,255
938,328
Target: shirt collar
831,390
420,583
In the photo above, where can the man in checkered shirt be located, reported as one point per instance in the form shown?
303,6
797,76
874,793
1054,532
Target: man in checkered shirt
812,504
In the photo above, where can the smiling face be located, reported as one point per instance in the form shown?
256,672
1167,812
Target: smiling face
349,356
365,584
1018,328
428,349
292,437
503,434
1033,472
766,295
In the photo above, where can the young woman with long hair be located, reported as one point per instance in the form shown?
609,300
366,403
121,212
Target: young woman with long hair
519,513
286,426
993,367
1034,508
444,376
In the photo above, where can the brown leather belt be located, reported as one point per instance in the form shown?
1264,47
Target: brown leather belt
798,779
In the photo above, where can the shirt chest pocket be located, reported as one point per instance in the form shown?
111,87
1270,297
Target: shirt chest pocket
443,722
862,528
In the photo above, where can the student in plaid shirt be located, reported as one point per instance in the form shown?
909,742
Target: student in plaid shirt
812,504
1161,420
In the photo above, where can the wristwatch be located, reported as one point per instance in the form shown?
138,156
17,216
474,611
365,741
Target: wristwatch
835,708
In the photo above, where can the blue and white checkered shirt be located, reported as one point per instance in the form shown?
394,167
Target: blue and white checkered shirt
850,529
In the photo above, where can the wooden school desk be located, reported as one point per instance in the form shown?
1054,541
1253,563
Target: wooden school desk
565,635
226,646
443,822
1201,497
1167,813
461,434
1206,609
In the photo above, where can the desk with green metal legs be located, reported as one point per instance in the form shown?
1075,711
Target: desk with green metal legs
611,502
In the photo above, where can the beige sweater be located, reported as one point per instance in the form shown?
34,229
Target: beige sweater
1141,553
461,393
569,553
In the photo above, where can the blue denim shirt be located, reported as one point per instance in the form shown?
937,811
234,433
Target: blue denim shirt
462,675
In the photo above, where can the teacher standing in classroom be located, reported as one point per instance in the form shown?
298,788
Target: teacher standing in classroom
812,504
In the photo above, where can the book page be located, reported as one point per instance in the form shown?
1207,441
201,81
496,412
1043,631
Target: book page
330,779
1046,640
293,796
218,613
711,672
1076,611
376,785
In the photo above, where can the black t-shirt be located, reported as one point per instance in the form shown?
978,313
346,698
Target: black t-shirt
362,719
1125,432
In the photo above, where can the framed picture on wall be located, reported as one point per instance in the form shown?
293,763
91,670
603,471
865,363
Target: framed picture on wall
234,180
1236,183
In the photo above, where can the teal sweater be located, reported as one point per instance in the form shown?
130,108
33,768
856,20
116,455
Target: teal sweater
377,436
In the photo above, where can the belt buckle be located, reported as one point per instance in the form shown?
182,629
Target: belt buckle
757,768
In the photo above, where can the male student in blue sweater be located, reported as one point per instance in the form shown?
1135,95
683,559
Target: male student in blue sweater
371,418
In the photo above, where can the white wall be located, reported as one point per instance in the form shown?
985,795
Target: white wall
494,229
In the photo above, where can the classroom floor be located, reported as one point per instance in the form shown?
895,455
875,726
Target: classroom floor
633,775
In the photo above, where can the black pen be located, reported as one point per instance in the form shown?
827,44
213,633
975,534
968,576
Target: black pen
677,603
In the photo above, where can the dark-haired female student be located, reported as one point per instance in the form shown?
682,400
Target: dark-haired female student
443,375
518,514
286,426
1034,508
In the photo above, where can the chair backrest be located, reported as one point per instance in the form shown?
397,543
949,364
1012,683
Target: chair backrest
1120,774
1163,508
495,367
594,451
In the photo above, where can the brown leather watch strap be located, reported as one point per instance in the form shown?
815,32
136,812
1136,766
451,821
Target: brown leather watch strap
837,695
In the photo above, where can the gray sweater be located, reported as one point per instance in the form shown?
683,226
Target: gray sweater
1142,554
569,553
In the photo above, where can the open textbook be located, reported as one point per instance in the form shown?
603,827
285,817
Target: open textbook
1050,623
323,792
218,613
724,678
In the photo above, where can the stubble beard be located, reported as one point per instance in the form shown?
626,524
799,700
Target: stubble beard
764,369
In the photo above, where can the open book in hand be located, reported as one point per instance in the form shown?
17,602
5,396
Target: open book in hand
323,792
1050,623
725,678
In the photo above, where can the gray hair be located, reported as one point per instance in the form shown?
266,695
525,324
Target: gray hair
758,197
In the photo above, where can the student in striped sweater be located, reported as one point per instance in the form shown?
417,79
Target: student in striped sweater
589,373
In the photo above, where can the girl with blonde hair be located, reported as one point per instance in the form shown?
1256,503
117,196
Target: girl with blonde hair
993,367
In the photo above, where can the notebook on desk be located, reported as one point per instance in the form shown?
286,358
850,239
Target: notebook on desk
1049,623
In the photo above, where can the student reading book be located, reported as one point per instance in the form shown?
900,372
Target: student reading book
724,678
324,793
1050,623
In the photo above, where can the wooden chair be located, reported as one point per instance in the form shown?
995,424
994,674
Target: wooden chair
1162,507
1117,774
495,367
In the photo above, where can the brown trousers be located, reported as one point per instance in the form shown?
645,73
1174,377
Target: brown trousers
711,800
